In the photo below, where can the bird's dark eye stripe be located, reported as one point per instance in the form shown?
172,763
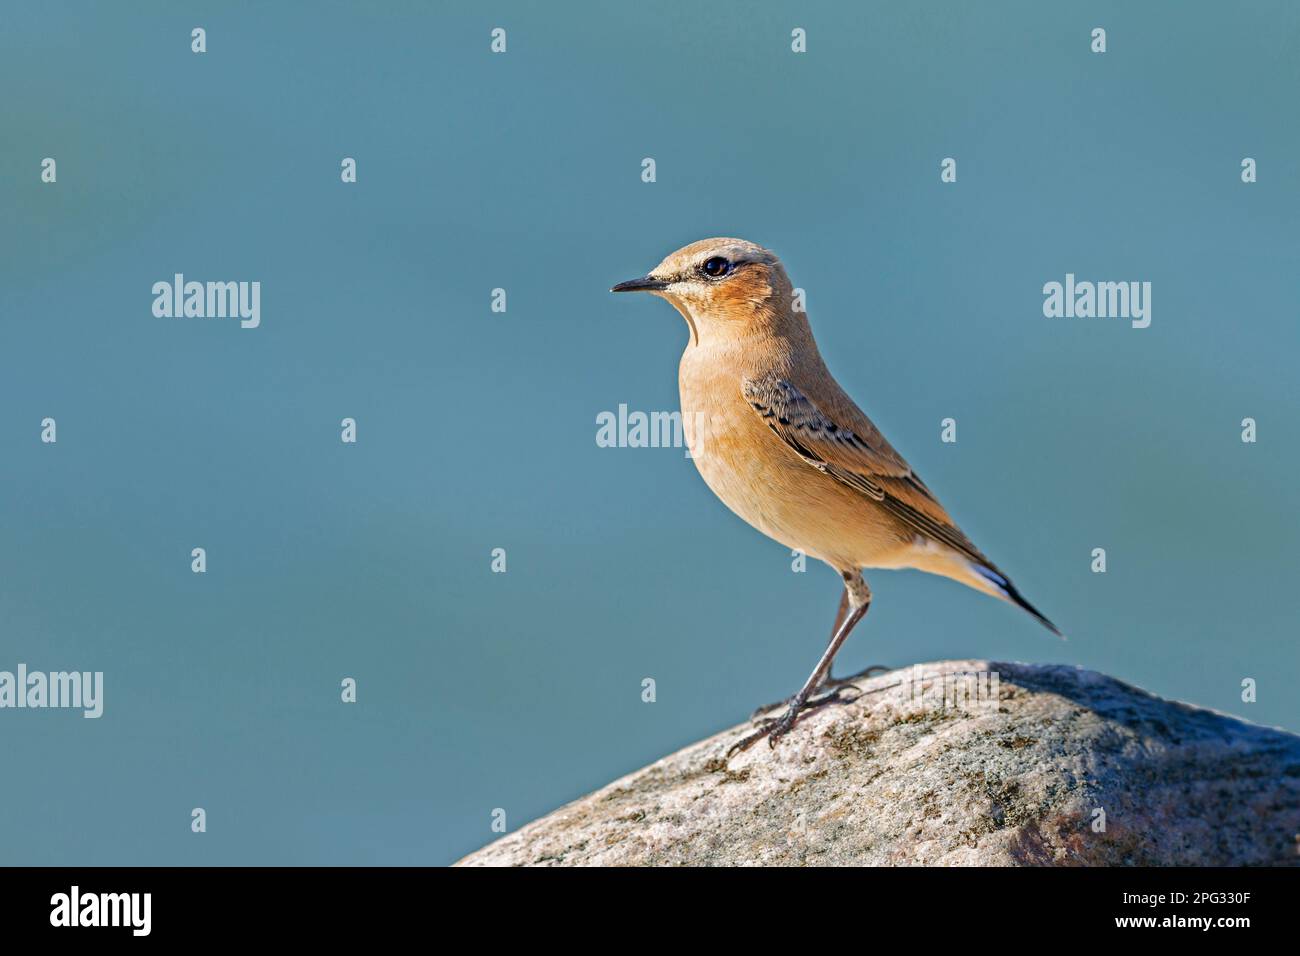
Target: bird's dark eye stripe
716,267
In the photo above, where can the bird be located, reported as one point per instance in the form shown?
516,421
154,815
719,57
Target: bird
785,448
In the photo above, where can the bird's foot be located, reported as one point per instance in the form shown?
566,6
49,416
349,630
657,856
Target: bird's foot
774,728
830,683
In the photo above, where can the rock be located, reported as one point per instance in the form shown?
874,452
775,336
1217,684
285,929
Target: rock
1029,765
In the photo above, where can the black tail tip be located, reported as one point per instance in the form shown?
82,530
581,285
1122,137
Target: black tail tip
1019,600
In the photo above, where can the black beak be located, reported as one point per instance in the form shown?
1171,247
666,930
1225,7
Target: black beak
643,284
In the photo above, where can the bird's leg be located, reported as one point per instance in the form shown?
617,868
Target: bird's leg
859,599
835,629
840,614
830,681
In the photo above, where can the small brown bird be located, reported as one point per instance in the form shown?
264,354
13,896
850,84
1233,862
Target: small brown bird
785,448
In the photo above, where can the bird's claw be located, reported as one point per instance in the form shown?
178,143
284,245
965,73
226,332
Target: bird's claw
774,728
829,684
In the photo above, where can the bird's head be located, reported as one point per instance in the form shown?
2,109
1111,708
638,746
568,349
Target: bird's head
722,287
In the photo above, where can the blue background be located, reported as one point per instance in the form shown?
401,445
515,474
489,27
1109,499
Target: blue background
477,430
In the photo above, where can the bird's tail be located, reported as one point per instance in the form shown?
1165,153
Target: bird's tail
999,585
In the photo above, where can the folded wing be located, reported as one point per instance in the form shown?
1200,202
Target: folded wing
842,443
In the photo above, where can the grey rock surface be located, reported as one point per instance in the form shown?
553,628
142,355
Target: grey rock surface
1025,765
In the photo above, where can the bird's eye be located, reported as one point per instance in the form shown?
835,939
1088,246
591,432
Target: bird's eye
716,267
